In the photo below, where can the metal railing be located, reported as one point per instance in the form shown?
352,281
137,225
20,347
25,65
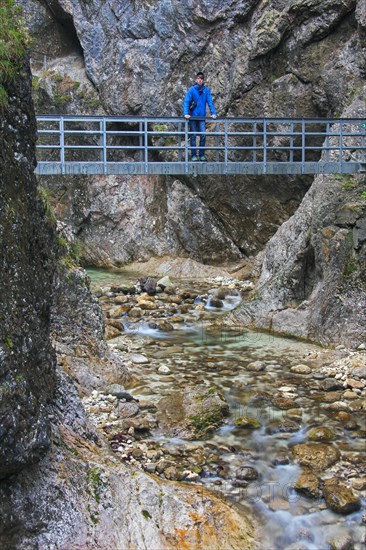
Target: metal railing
146,145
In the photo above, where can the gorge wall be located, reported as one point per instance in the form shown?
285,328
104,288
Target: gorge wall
27,361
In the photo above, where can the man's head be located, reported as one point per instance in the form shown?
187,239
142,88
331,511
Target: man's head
200,78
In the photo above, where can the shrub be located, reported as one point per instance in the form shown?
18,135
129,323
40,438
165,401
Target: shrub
14,44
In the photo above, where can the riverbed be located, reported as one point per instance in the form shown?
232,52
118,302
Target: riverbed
295,421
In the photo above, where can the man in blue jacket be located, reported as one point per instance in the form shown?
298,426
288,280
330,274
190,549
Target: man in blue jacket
195,105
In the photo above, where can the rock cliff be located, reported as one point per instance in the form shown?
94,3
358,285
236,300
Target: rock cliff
27,361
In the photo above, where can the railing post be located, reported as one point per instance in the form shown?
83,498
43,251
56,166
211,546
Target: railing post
254,152
179,142
291,159
340,145
103,144
327,153
186,136
146,146
226,145
264,146
62,144
217,129
141,143
303,146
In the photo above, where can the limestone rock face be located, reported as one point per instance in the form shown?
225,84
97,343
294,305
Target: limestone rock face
312,282
142,56
77,334
27,362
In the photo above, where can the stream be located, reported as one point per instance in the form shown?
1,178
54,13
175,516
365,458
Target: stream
281,394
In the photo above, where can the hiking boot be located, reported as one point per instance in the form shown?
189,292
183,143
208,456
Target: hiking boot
194,159
203,159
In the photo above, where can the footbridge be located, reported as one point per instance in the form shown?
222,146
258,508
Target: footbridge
76,145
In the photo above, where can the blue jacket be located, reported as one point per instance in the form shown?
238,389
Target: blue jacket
201,96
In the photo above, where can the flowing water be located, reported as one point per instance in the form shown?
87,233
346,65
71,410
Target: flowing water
199,352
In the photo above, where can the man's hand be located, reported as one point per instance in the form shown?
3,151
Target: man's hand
187,116
213,116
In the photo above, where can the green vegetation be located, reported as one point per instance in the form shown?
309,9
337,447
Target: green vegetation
14,44
96,483
8,342
45,197
206,421
61,99
159,127
347,181
146,514
363,195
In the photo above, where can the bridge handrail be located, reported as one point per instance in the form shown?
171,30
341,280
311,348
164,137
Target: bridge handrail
166,139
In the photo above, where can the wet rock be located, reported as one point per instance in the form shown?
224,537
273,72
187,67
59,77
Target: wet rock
308,484
246,473
137,453
185,308
135,312
358,368
148,284
139,359
320,433
111,332
283,403
164,282
121,299
146,304
300,369
280,460
355,383
248,422
118,391
330,384
331,397
150,467
187,475
127,410
340,541
282,425
278,503
339,497
256,366
164,369
192,414
118,312
317,456
215,302
116,324
177,319
240,483
359,483
164,326
350,395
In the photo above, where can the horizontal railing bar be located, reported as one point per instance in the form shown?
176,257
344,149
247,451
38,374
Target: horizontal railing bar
112,118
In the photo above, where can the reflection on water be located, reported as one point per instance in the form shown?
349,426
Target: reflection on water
252,370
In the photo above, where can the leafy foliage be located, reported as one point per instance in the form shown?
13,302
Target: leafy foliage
14,43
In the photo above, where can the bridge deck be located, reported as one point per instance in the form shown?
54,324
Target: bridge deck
141,145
